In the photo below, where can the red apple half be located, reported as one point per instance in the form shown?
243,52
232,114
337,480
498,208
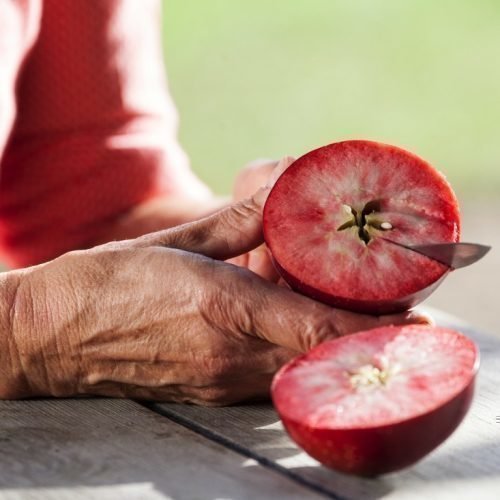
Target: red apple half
379,400
332,220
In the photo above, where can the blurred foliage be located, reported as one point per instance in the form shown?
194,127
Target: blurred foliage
268,78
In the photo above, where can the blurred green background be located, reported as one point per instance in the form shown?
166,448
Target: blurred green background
267,78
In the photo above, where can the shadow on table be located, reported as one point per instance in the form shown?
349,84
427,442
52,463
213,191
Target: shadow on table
437,469
256,431
102,443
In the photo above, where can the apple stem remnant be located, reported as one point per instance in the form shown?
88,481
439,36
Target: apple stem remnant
359,218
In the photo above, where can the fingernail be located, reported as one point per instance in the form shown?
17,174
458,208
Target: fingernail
262,193
421,318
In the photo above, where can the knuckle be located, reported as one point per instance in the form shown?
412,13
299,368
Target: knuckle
280,357
228,226
246,208
318,332
215,310
187,236
184,237
230,306
214,369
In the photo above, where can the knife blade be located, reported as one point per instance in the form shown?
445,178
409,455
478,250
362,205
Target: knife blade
454,255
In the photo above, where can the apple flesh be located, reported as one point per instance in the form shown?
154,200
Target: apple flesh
380,400
335,219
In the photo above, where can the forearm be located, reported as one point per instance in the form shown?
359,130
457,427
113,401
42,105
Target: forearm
35,334
13,383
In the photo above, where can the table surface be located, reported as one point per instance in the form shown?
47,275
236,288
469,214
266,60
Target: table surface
120,449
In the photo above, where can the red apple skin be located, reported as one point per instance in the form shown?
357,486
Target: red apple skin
376,307
372,452
363,442
296,222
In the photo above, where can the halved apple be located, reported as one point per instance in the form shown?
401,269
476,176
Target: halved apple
379,400
336,219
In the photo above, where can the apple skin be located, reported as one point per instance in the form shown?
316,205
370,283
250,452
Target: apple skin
366,441
372,452
302,222
376,307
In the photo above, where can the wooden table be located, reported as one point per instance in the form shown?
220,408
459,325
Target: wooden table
120,449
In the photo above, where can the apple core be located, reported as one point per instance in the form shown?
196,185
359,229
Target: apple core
370,376
365,220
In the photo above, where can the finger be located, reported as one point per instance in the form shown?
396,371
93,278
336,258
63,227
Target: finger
291,320
226,357
257,174
176,393
260,262
282,165
240,260
230,232
226,234
350,322
246,388
279,315
252,177
409,317
255,387
247,378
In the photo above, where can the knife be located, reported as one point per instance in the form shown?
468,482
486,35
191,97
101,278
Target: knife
454,255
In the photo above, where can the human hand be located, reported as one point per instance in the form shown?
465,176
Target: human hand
162,317
253,176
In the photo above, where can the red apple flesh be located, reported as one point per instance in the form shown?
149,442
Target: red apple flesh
333,218
377,401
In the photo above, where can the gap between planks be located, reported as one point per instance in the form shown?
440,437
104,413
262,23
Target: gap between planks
246,452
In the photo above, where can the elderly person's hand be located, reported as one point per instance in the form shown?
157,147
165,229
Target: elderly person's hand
255,175
161,317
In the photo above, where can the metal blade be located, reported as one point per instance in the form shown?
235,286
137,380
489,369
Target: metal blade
455,255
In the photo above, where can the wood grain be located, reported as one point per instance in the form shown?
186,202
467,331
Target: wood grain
467,465
117,449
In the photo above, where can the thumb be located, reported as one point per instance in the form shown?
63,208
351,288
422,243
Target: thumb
232,231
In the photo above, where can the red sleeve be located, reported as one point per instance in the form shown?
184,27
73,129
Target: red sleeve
95,130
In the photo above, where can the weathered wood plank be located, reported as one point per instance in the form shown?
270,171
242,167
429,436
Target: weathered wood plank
109,449
467,465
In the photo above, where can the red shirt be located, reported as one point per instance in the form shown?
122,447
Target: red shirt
87,128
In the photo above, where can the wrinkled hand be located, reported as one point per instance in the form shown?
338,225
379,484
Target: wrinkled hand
163,317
